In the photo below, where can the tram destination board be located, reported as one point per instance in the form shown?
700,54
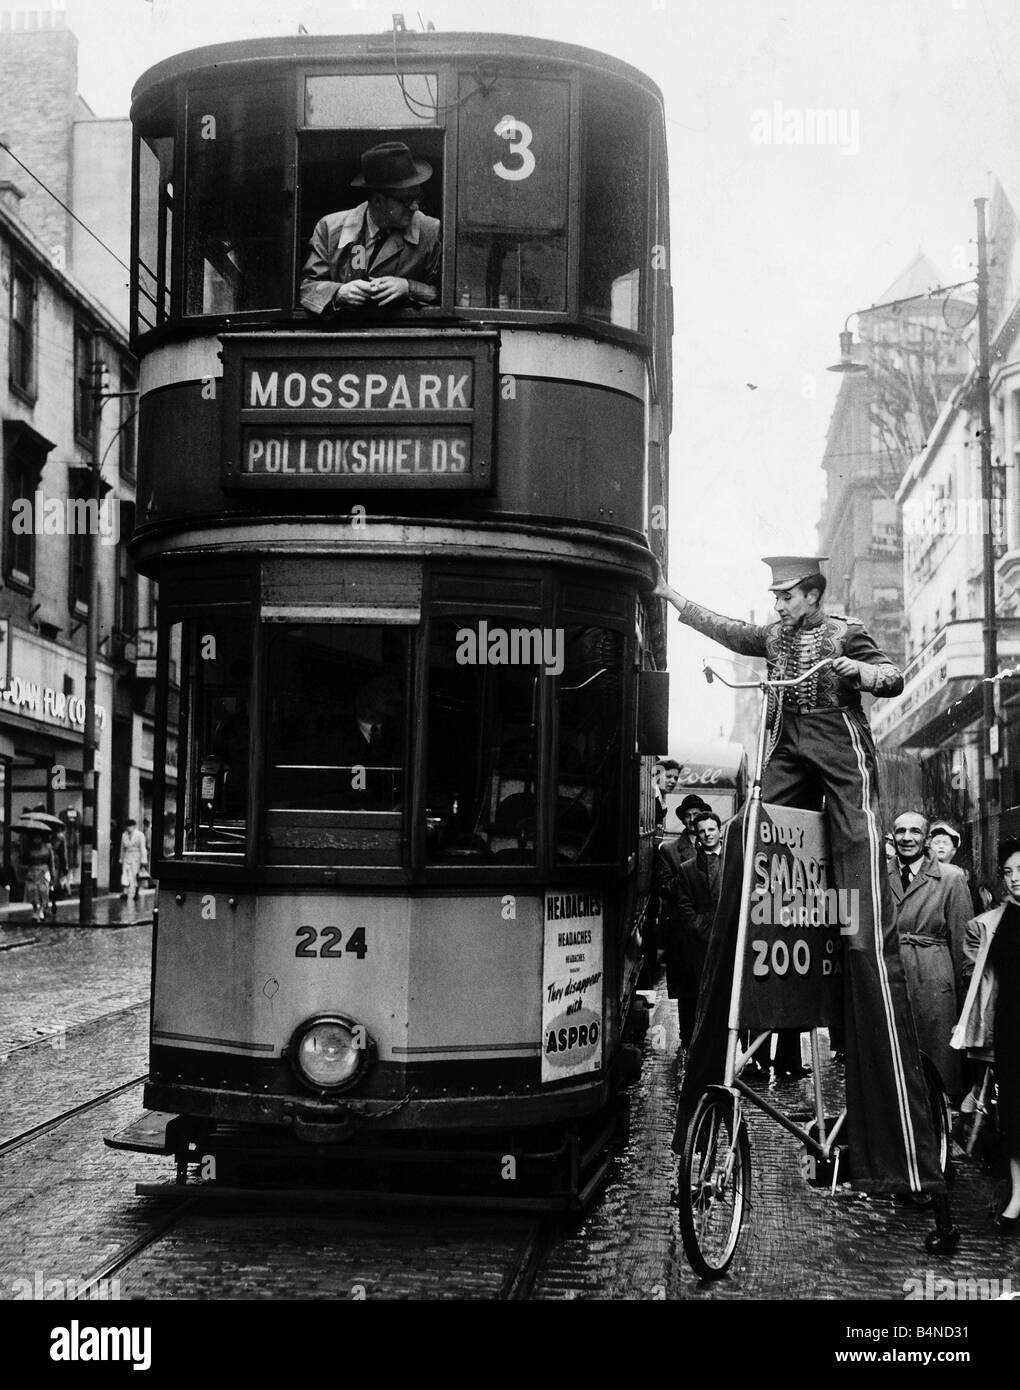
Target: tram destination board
359,412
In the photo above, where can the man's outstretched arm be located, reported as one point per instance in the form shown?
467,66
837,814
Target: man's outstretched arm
747,639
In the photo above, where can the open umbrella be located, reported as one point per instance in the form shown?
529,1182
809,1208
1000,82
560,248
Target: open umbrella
25,824
44,816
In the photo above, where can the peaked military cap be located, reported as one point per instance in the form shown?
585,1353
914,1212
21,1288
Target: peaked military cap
788,570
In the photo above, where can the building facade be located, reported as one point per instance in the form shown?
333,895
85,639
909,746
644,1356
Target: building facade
67,405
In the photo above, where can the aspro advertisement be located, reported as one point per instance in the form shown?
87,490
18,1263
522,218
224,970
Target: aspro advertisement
572,985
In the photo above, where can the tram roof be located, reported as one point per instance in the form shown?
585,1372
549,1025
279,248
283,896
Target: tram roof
362,48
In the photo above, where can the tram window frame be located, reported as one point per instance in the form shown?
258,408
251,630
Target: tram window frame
195,773
148,198
593,89
348,836
272,99
428,142
530,598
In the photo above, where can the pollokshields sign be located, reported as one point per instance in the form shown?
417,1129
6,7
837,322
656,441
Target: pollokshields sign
793,962
572,985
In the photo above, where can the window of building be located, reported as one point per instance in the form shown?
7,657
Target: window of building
128,436
154,166
952,607
512,194
127,581
615,252
78,543
238,202
22,345
84,380
21,476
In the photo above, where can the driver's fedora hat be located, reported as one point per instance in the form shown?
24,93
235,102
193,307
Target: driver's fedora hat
391,165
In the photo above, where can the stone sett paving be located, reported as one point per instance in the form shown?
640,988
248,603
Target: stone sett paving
67,1202
798,1242
68,976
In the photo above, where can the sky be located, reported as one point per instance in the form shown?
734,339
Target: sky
774,241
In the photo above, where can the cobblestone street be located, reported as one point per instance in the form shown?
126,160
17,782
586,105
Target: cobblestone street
75,1012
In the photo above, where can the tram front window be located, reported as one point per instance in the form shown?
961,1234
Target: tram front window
512,194
481,788
235,188
335,717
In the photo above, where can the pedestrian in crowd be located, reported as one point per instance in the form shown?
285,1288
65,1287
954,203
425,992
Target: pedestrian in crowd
991,1013
685,846
933,906
659,790
59,847
669,775
693,893
820,746
132,856
943,841
385,253
37,857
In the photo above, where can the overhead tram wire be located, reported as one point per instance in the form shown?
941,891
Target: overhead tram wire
46,189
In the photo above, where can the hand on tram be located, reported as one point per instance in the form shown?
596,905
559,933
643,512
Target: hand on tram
389,288
846,667
666,591
354,292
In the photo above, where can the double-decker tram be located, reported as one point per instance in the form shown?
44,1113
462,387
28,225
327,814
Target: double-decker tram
409,663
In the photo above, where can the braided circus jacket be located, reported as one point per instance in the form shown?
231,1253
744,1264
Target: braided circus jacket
790,651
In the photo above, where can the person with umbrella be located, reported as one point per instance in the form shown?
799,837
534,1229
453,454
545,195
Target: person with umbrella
39,865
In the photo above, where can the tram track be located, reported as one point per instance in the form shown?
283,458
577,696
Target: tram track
28,1136
62,1034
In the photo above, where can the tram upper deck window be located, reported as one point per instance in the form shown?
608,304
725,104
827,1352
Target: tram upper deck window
335,767
235,198
615,252
154,171
512,194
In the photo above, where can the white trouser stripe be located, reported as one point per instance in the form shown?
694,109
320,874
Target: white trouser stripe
899,1076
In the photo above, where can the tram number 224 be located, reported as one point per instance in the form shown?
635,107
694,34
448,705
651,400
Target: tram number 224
327,943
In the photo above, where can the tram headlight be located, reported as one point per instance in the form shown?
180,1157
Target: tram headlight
330,1053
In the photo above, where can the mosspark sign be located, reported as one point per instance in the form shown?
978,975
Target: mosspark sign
359,411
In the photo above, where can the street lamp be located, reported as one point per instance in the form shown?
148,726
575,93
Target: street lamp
987,778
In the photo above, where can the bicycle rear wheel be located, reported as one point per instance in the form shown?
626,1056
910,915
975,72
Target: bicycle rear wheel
715,1183
941,1116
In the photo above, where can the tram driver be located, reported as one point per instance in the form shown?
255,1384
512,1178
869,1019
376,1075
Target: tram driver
385,252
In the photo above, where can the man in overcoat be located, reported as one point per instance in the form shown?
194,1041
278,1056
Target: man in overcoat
692,895
933,907
385,253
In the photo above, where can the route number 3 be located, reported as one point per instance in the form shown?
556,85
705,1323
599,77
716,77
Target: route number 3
520,136
330,949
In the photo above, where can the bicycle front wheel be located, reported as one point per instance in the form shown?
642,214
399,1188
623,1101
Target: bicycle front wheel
715,1183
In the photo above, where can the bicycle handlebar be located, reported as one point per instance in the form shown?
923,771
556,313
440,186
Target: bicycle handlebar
765,683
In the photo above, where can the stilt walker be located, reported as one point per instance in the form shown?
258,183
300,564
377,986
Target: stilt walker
820,746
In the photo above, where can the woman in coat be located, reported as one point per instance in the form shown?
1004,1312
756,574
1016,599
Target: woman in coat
991,1012
38,860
